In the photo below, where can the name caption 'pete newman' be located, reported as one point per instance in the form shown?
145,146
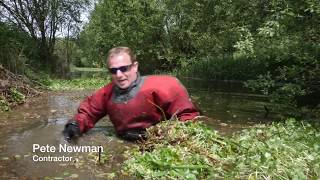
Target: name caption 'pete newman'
65,148
62,148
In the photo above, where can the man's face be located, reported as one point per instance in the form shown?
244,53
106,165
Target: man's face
123,72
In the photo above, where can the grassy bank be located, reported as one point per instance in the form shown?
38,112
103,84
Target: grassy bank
75,84
174,150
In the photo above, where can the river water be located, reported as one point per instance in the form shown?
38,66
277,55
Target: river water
40,122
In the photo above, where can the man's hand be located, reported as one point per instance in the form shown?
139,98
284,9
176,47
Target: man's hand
71,130
134,135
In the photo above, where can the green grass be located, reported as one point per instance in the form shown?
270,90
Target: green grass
175,150
85,69
75,84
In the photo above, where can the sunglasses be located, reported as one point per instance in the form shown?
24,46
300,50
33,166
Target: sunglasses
121,68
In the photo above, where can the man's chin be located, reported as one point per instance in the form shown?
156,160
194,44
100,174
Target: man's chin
123,86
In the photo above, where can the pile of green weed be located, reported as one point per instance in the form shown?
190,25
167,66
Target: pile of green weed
14,89
75,84
175,150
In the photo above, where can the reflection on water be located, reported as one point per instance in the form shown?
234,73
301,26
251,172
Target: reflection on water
229,106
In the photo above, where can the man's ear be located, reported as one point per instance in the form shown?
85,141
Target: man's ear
136,65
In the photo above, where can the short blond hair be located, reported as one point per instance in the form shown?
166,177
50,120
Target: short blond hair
119,50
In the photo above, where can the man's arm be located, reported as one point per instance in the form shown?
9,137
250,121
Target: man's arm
90,111
174,99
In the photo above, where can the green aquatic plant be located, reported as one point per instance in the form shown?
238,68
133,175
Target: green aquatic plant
179,151
175,150
288,150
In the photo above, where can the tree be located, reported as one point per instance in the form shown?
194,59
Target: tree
16,47
42,19
136,24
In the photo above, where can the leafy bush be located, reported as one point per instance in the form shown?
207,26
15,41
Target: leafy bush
16,48
222,68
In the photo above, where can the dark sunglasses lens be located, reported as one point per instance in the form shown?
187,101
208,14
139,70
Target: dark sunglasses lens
113,70
122,69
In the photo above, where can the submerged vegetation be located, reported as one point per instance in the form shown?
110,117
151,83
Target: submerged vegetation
175,150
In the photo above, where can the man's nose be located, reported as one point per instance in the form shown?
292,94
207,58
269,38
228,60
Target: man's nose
119,73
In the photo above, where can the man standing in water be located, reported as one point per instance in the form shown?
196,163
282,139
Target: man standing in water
133,102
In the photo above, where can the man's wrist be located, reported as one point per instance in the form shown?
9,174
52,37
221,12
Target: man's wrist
73,122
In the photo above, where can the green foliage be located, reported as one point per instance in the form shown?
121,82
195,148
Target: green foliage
4,105
244,46
222,68
263,84
128,23
75,84
276,47
16,96
282,151
42,21
273,44
67,53
175,150
16,48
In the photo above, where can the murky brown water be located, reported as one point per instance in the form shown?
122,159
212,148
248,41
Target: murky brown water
42,120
